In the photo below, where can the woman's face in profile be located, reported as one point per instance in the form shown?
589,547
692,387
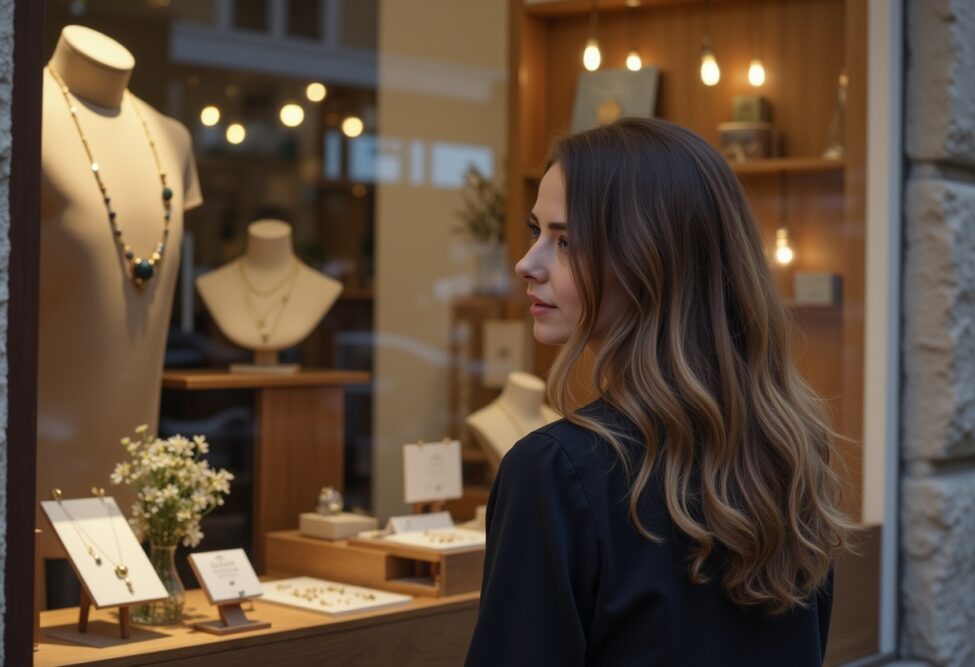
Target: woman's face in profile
556,306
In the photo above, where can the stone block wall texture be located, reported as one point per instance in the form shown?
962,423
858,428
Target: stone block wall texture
938,395
6,92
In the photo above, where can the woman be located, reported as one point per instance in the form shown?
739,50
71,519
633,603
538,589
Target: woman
689,516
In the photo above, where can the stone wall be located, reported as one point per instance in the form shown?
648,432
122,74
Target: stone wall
938,409
6,93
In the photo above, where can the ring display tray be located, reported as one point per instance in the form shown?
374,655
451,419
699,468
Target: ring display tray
376,563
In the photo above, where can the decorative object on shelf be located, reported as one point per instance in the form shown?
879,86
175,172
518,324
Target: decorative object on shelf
120,569
835,144
750,109
591,56
175,488
756,70
330,597
816,289
742,141
482,222
141,268
329,501
710,72
603,97
784,253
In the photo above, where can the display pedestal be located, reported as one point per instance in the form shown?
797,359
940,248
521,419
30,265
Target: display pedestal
299,437
85,609
232,620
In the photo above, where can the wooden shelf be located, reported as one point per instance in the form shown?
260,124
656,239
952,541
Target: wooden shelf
570,7
788,165
777,165
215,378
425,631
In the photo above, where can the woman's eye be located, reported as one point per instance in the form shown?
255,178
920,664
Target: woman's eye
563,243
535,230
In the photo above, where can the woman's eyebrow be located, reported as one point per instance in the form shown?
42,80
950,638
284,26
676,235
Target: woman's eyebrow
560,226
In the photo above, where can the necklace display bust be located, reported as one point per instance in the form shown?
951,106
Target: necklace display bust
101,337
267,300
519,410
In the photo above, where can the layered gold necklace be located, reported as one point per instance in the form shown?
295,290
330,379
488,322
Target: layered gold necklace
262,318
141,268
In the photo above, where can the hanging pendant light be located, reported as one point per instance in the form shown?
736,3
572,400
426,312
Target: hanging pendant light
756,70
634,62
591,56
783,248
710,72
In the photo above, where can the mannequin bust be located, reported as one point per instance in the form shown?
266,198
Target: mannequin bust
518,411
267,300
102,337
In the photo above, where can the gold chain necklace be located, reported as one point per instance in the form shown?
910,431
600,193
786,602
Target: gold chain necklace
279,303
121,570
141,269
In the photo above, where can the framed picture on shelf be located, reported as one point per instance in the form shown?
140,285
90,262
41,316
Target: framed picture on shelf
607,94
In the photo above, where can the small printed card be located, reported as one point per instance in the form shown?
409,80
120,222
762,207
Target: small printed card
226,576
414,522
432,471
329,597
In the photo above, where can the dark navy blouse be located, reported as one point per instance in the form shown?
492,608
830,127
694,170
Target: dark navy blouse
569,581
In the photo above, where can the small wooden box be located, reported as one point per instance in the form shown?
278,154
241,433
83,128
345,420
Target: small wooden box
335,526
376,564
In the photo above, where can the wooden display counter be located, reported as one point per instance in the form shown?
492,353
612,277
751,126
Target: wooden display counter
299,438
429,631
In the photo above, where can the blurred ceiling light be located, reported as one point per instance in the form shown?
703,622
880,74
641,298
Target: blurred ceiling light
710,72
756,73
633,61
292,115
352,127
236,133
591,55
783,248
210,115
316,92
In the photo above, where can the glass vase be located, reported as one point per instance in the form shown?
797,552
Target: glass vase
168,611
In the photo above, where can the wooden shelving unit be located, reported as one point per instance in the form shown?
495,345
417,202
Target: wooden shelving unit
805,44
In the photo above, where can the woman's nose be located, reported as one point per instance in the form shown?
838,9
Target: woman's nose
530,267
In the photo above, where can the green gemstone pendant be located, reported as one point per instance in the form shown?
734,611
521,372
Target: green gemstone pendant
142,271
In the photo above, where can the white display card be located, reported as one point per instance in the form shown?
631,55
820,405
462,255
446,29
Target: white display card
98,523
226,576
446,540
432,471
329,597
412,522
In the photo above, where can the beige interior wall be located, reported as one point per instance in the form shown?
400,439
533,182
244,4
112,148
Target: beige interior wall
442,74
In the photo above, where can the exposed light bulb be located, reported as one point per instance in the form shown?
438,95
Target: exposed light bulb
783,251
352,127
756,73
316,92
210,115
633,61
710,72
292,115
591,57
236,133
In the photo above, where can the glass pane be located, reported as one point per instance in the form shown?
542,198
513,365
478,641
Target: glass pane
304,18
251,14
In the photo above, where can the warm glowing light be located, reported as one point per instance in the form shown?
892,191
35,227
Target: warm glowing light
633,61
352,127
756,73
710,72
591,57
210,116
316,92
783,251
291,115
236,133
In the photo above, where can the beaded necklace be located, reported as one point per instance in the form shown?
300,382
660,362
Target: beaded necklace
140,269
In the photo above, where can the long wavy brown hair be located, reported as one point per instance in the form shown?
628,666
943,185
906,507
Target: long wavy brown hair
700,363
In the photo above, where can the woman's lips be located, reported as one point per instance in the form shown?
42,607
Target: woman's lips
539,307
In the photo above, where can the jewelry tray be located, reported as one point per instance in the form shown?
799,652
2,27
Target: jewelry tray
376,563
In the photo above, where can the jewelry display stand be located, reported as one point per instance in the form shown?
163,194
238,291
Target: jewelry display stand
111,565
222,574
